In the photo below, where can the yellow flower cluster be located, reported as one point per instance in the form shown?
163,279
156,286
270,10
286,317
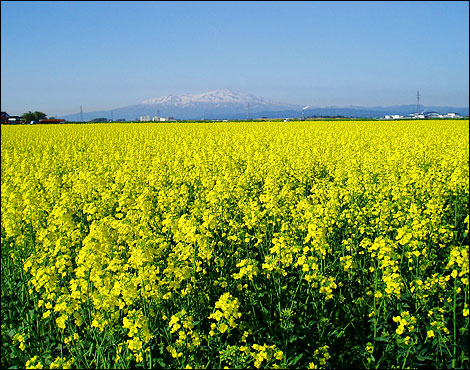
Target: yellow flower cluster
225,313
321,356
248,268
20,339
139,333
229,228
404,320
438,322
459,259
265,353
188,338
61,363
34,363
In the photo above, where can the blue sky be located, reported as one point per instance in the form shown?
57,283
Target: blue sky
56,56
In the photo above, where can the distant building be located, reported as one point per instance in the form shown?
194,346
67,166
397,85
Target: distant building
416,116
51,120
427,115
144,118
432,115
393,116
164,119
7,119
5,116
13,119
452,115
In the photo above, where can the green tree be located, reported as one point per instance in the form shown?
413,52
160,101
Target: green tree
28,117
101,119
33,116
39,115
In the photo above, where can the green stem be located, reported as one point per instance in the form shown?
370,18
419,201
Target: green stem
375,306
454,319
444,343
406,357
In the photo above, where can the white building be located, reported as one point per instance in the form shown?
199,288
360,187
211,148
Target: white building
433,115
160,119
416,115
144,118
393,116
429,115
452,115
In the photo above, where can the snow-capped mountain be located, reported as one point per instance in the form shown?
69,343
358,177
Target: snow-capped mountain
217,97
217,104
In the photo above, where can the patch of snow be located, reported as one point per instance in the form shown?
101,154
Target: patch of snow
224,96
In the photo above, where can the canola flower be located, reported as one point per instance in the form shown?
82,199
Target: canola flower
235,244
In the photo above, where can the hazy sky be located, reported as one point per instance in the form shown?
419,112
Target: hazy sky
56,56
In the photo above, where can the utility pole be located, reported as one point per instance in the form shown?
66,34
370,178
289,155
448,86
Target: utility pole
81,114
417,102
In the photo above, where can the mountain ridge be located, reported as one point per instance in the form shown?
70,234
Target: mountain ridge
227,104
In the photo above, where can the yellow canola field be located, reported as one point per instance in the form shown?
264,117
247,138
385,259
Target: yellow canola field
238,244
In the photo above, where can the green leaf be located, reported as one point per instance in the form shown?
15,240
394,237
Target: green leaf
381,339
160,362
296,359
292,339
424,358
